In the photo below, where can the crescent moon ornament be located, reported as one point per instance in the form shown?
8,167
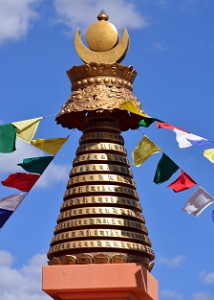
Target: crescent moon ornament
102,38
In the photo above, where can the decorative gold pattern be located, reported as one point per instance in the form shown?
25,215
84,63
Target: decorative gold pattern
102,125
97,97
97,189
84,258
109,222
101,146
101,157
133,204
101,178
119,259
114,258
99,86
68,260
120,75
117,169
101,258
101,233
99,211
113,137
109,244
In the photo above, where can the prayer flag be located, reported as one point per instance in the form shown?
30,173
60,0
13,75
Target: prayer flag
131,107
165,169
198,202
209,154
7,138
21,181
182,183
36,164
168,126
8,205
144,149
27,129
213,215
50,146
184,138
146,122
200,143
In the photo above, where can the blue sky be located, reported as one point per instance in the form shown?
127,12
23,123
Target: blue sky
172,49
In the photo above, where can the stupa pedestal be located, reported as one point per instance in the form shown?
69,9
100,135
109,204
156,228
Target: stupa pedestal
99,281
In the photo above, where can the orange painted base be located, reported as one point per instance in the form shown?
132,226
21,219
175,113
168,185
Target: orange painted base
101,282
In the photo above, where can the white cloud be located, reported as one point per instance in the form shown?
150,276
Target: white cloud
24,283
81,14
208,278
9,161
160,46
202,296
53,174
171,294
16,18
171,262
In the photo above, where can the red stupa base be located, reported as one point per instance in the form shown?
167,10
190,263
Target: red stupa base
99,281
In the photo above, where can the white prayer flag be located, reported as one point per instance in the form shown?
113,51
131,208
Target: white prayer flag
182,138
197,203
11,202
8,205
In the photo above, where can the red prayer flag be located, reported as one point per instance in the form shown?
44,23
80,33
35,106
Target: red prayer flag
168,126
182,183
21,181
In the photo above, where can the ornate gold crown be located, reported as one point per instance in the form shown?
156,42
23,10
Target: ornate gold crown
102,73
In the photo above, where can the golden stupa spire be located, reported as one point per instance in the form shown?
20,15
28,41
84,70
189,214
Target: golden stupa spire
100,219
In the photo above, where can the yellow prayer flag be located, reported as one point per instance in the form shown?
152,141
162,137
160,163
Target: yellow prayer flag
144,149
130,106
50,146
209,154
25,130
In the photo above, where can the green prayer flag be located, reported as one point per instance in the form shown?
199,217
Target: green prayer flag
165,169
146,122
7,138
36,164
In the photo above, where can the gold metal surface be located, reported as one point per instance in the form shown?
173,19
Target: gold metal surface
101,146
100,211
115,54
111,158
101,179
97,189
102,136
98,97
109,244
117,169
110,222
95,233
100,125
87,200
102,36
120,75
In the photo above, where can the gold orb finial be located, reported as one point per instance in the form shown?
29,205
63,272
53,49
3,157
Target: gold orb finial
103,41
102,35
